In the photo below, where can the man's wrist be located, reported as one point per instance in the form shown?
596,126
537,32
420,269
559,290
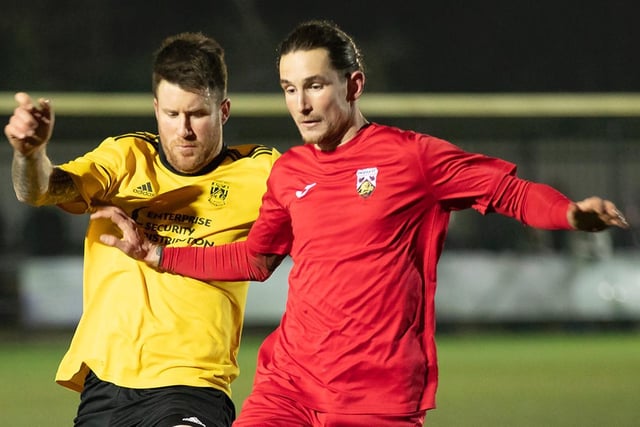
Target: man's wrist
34,154
154,257
572,208
159,253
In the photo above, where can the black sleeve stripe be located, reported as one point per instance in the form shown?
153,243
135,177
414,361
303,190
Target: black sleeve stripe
261,150
146,136
253,152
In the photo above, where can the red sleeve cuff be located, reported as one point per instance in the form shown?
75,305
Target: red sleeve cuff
545,207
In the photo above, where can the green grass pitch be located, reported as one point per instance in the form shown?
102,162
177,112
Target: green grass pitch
528,379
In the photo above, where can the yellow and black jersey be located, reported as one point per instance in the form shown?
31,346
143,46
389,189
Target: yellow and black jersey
141,328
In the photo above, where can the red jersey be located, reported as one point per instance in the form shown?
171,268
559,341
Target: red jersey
365,225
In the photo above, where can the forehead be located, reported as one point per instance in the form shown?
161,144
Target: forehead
170,93
301,64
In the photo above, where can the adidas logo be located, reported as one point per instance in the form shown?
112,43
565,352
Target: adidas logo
144,190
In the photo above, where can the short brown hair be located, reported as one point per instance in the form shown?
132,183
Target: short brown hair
192,61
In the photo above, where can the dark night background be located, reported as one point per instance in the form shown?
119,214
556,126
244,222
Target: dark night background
409,46
493,46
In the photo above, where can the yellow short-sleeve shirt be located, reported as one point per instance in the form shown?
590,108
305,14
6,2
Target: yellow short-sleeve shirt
141,328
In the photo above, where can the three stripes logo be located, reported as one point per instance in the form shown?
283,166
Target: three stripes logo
144,190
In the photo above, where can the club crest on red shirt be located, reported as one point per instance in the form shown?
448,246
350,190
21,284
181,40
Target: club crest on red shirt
366,181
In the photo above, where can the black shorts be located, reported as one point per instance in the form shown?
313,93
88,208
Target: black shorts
103,404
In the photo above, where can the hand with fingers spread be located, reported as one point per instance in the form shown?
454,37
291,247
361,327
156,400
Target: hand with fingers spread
133,241
30,127
595,214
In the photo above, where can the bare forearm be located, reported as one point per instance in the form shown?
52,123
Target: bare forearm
30,176
37,182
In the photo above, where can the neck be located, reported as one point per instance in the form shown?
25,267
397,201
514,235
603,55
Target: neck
351,130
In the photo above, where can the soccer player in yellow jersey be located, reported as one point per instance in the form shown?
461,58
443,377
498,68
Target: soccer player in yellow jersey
152,348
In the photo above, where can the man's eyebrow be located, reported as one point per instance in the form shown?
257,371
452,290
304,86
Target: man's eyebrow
315,77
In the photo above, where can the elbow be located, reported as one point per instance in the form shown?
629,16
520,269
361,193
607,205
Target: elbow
264,266
261,275
29,199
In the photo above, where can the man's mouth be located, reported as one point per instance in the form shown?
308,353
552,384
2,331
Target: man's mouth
309,122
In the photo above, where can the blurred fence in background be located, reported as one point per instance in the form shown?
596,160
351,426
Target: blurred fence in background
493,270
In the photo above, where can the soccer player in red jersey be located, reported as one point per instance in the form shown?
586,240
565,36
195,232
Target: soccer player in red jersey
363,210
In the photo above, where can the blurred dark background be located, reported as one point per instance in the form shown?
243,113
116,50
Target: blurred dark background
422,46
494,272
469,47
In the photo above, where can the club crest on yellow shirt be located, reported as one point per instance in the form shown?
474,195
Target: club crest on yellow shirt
218,193
366,181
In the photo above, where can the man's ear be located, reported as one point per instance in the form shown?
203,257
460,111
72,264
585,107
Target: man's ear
225,110
355,85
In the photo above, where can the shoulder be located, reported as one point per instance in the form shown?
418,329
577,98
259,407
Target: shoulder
136,138
396,134
134,141
253,156
296,156
420,141
252,151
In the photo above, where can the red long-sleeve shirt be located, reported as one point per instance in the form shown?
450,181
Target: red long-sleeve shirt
365,227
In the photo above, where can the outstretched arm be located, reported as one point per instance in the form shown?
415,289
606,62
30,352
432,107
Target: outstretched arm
35,180
229,262
542,206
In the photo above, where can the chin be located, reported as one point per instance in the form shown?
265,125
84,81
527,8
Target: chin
183,167
307,139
